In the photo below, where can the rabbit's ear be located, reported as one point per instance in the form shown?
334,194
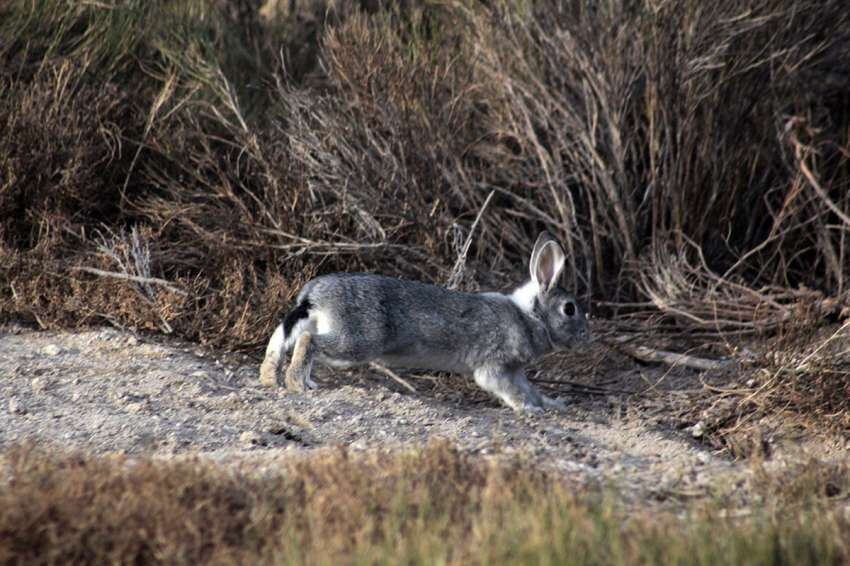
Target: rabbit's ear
547,263
542,238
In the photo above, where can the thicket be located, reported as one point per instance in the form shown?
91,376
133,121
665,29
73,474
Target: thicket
185,166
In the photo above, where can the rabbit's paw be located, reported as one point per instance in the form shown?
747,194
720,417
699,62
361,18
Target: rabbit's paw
529,409
269,371
554,404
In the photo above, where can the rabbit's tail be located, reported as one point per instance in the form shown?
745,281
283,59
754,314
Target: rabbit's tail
283,340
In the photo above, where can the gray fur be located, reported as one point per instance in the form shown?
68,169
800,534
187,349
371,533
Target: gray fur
359,318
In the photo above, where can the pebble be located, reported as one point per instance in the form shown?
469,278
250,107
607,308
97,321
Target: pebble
15,407
51,350
698,430
251,438
38,384
134,407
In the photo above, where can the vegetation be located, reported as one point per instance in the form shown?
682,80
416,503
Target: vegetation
690,156
433,506
184,167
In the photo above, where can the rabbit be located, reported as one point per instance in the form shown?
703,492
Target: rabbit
343,320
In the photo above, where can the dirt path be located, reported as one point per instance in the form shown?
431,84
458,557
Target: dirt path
108,391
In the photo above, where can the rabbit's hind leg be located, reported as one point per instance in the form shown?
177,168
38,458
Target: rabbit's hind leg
511,387
301,364
270,368
334,350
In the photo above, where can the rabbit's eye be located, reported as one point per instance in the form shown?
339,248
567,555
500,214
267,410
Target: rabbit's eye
569,308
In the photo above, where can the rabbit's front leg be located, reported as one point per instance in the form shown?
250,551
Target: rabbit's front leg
548,402
511,386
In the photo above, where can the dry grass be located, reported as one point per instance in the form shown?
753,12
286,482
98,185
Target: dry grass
799,379
692,157
435,505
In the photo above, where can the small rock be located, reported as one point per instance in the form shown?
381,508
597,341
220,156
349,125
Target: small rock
200,373
251,438
15,407
134,407
132,341
51,350
703,458
698,430
751,383
38,384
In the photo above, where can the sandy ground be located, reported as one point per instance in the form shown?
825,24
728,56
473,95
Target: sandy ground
109,391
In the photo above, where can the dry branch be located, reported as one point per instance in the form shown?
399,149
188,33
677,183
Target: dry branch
654,355
674,359
582,388
457,271
135,278
392,375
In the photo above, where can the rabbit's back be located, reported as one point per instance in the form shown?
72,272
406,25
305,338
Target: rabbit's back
410,324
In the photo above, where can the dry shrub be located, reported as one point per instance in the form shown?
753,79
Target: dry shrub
638,128
58,152
113,109
429,506
798,379
383,151
807,373
80,509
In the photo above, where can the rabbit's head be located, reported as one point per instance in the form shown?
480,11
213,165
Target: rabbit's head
564,319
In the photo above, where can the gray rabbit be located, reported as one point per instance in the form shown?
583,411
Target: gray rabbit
344,320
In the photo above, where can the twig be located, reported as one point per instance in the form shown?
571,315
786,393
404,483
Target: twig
813,182
590,389
135,278
457,270
393,375
646,354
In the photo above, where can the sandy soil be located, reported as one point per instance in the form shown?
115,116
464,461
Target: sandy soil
110,391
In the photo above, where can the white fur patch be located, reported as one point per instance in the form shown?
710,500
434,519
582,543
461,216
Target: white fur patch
524,296
322,323
276,343
304,324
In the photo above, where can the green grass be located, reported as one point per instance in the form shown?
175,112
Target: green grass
431,506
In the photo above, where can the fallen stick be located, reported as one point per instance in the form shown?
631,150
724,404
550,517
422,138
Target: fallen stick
134,278
674,359
393,375
589,389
